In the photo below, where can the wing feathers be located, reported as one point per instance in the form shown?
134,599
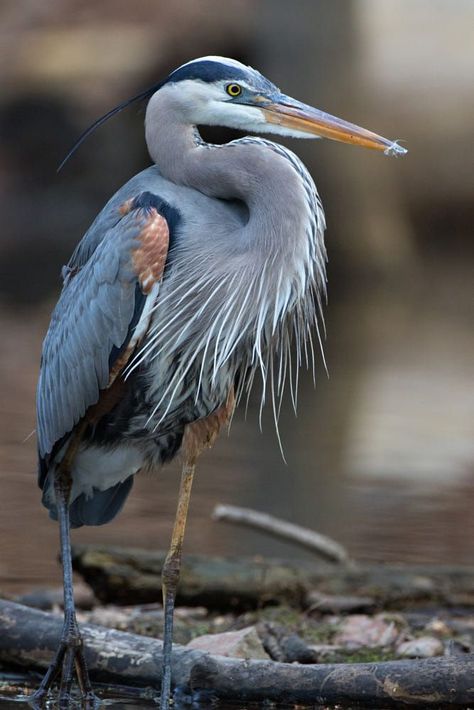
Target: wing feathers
103,302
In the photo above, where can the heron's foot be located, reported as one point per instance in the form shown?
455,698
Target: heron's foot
69,658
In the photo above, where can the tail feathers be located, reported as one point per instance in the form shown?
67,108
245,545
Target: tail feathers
98,509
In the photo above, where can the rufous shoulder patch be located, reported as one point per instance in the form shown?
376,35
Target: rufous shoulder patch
126,206
149,257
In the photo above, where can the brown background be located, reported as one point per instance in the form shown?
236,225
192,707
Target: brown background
381,455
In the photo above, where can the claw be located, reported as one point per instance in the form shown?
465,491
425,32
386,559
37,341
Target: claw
69,657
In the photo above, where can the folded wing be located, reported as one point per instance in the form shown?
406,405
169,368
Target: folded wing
101,316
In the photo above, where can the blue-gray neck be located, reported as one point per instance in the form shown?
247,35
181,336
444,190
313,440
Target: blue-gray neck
261,280
286,219
252,170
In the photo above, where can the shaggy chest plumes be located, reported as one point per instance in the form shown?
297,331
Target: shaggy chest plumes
235,316
229,320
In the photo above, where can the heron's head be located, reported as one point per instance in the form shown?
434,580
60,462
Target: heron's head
217,91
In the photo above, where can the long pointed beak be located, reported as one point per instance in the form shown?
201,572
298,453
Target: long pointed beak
299,117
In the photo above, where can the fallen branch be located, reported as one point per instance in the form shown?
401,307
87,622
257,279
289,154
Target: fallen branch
130,576
28,637
309,539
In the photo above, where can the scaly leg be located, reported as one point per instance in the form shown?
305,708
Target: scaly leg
170,577
70,653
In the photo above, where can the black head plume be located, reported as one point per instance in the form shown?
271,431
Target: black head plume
139,97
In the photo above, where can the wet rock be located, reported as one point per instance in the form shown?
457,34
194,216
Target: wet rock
244,643
371,631
438,627
422,647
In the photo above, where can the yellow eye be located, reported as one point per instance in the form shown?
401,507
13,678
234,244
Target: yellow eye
233,90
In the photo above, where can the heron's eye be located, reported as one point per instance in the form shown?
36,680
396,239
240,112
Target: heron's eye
233,90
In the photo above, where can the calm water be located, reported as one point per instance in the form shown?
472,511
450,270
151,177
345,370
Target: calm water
128,704
131,698
381,456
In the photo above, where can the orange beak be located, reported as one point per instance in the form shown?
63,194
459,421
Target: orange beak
303,119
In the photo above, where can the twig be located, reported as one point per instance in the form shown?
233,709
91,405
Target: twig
322,545
28,637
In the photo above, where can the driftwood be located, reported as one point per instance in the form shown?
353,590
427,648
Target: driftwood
304,537
127,576
28,637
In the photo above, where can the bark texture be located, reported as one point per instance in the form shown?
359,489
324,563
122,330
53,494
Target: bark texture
127,576
28,638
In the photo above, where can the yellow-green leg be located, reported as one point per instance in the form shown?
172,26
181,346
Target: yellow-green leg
170,577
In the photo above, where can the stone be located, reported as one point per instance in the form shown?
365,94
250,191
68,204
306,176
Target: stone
359,630
422,647
438,627
244,643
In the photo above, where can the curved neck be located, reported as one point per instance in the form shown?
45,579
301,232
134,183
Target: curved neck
249,172
279,250
263,178
186,160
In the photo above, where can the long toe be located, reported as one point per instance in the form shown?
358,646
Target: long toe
66,679
69,658
38,699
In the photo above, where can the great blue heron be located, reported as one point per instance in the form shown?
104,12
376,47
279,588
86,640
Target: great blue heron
196,275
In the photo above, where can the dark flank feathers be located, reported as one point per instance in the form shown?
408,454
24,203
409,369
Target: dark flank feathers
100,509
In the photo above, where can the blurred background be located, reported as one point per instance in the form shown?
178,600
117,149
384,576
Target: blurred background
381,455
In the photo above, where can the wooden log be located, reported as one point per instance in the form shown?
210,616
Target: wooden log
28,637
127,576
439,682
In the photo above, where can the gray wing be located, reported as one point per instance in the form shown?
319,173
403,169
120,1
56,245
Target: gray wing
101,308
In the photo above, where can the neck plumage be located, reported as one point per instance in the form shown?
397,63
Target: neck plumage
263,277
285,224
247,170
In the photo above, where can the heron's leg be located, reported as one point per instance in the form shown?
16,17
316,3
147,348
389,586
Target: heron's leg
170,577
70,653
